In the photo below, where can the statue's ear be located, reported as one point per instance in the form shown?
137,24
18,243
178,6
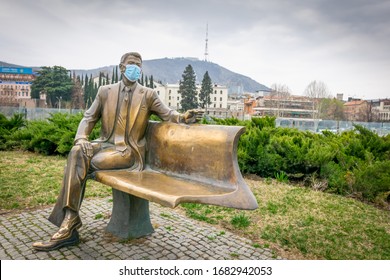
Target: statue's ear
122,67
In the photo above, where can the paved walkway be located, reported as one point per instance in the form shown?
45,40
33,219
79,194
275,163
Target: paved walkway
175,237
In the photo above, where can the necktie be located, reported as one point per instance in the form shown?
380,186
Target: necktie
120,130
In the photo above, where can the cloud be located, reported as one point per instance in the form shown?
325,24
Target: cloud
292,42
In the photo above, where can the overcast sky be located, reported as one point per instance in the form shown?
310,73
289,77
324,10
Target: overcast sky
344,43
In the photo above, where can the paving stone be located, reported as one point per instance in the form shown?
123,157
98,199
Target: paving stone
175,237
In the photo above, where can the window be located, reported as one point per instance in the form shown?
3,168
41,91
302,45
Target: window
169,99
221,91
215,91
220,105
170,91
178,98
220,99
215,99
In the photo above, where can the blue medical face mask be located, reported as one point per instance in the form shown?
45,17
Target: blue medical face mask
132,72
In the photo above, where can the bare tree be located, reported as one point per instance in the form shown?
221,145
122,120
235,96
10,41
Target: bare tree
281,93
316,91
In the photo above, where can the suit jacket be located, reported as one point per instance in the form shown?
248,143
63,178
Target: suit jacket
144,102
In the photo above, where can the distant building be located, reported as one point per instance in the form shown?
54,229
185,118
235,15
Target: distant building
169,94
291,106
382,110
356,110
15,88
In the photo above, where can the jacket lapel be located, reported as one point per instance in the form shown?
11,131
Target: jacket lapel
112,102
136,102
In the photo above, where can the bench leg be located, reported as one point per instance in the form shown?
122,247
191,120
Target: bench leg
130,216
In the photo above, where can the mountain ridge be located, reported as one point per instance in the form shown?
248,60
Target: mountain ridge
170,70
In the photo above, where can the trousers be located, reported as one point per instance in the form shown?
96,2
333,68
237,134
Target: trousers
79,166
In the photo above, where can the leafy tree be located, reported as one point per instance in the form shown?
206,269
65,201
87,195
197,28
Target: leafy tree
187,89
332,109
55,82
205,91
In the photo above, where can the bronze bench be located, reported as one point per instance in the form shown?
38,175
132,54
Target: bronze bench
184,163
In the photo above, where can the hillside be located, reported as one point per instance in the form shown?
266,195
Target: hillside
170,70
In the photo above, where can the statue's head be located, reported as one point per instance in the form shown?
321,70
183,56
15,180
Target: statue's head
130,66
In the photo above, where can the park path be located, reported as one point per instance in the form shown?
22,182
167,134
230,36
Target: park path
176,237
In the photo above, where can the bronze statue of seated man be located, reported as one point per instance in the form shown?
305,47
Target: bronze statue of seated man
124,109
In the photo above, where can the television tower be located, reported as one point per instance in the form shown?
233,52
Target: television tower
206,50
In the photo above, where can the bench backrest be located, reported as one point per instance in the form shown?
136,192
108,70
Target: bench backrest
204,153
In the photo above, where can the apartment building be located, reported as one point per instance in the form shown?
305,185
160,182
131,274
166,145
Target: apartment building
291,106
356,110
15,85
169,94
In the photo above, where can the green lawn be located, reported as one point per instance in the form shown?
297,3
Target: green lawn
295,222
31,180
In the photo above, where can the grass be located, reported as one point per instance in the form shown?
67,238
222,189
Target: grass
300,223
294,222
32,180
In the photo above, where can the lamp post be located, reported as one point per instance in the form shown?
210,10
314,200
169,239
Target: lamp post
59,103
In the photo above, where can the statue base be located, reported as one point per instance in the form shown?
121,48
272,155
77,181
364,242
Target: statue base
130,216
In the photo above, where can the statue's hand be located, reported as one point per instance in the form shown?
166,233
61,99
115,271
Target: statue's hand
192,116
86,147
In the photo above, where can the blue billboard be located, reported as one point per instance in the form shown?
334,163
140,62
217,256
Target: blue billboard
16,70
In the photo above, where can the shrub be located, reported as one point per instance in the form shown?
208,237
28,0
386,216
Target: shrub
52,136
373,179
349,163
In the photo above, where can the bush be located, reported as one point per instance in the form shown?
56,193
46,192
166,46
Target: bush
8,127
373,179
52,136
354,162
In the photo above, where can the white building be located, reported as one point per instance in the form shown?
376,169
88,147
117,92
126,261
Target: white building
383,110
169,94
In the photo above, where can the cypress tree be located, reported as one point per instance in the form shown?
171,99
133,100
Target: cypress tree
151,82
100,79
205,91
113,76
116,74
187,89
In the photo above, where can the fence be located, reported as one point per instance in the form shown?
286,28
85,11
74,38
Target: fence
381,128
317,125
35,113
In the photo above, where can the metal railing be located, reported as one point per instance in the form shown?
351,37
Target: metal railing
317,125
35,113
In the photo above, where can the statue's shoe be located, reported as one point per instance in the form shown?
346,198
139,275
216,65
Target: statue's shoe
54,244
66,228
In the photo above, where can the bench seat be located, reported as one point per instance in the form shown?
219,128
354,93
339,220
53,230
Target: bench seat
187,163
157,187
